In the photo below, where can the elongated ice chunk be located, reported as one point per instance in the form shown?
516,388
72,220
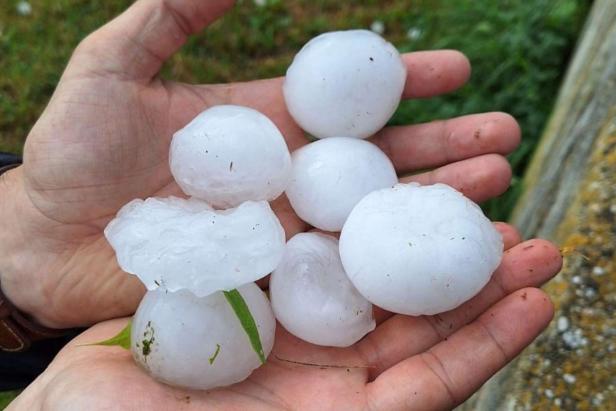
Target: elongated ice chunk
230,154
184,244
198,342
419,250
313,298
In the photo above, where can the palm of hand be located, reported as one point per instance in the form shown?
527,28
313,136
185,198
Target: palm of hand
79,173
104,141
275,386
408,363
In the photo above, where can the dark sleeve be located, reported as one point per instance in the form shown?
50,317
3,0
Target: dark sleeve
17,370
8,158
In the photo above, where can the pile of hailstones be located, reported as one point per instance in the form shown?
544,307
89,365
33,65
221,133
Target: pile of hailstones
407,248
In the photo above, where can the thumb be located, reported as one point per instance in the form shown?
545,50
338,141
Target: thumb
135,44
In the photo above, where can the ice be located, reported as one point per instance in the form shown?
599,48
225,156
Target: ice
228,155
419,250
345,83
330,176
198,342
184,244
313,298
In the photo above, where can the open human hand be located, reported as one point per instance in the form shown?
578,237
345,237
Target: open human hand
103,140
407,363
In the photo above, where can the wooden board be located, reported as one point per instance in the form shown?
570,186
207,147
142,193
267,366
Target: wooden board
570,198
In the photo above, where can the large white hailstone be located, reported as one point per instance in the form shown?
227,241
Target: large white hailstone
184,244
230,154
330,176
198,342
345,83
313,298
419,250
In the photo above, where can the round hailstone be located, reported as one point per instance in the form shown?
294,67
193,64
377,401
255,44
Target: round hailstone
198,342
345,83
184,244
330,176
419,250
228,155
313,298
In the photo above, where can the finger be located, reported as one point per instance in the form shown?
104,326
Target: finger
450,372
442,142
136,44
479,178
529,264
511,237
430,73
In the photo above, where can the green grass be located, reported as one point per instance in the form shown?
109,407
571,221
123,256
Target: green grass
6,398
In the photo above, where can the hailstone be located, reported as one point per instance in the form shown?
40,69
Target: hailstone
345,83
198,342
313,298
419,250
330,176
184,244
230,154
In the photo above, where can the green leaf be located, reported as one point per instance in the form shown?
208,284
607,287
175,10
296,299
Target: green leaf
122,339
236,301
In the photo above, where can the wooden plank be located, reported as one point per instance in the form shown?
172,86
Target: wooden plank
570,198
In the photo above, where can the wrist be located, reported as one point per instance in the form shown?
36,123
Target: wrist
15,244
10,232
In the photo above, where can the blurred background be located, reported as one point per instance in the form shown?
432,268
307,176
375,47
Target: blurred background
519,50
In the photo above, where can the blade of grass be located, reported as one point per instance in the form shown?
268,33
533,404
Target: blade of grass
122,339
237,303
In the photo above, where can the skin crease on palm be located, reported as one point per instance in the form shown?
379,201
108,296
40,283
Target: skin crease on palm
103,140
